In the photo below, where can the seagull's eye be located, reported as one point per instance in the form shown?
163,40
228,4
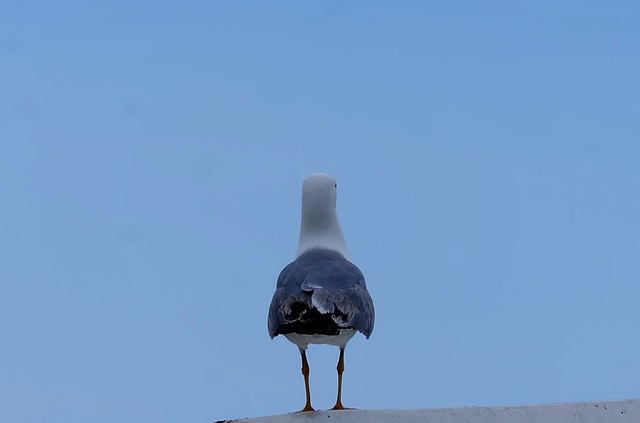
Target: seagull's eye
336,185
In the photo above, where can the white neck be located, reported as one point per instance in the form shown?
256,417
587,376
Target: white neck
320,228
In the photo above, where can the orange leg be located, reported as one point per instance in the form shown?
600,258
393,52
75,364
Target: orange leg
305,373
340,369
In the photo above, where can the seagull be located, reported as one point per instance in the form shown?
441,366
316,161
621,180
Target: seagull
321,297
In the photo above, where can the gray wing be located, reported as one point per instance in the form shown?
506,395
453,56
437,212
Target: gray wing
321,283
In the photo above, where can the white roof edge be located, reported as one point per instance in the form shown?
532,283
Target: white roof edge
574,412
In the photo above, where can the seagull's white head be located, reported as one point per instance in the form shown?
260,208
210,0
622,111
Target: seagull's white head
320,227
319,195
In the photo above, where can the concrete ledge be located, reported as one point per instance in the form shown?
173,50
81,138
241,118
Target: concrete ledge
627,411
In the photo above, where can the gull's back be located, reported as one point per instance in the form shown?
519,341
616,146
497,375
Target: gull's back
321,292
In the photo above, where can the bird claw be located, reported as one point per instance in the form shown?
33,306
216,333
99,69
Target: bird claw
341,407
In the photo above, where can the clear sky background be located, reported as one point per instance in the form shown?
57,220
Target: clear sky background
151,159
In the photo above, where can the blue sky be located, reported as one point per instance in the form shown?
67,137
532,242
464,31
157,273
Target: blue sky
151,159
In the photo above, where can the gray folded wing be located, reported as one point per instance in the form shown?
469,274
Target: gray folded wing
321,283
